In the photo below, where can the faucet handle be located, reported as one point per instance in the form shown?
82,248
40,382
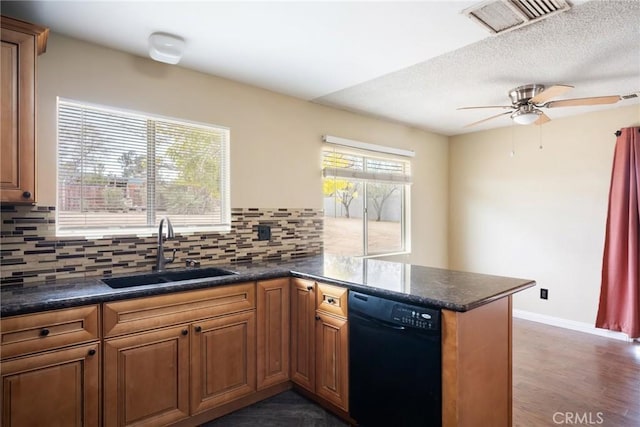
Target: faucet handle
173,257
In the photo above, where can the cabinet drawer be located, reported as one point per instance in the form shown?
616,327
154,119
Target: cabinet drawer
124,317
331,299
48,330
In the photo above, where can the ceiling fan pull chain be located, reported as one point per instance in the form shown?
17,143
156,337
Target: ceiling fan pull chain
540,137
513,142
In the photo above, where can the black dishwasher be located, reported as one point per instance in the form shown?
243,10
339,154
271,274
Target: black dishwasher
395,363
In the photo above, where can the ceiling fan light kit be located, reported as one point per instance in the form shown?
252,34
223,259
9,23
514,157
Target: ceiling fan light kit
526,115
166,48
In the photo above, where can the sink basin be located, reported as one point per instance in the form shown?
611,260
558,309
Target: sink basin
197,273
165,277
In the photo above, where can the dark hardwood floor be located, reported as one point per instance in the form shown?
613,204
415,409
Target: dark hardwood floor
564,377
288,409
560,378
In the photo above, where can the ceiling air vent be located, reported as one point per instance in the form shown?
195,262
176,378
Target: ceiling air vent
504,15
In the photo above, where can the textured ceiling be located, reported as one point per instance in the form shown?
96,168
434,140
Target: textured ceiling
410,62
594,47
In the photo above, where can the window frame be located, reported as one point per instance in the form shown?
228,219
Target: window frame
224,225
373,152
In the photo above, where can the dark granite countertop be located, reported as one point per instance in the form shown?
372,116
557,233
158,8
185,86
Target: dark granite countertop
434,287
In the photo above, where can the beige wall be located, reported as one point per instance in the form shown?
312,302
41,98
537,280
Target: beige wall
275,139
540,214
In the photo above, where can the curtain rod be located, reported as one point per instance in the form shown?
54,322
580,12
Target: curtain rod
618,133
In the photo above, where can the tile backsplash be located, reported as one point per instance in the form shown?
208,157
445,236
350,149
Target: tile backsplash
30,250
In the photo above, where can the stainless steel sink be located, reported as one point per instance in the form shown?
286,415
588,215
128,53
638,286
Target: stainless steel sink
165,277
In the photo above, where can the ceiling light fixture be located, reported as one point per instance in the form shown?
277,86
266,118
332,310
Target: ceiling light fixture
526,115
166,48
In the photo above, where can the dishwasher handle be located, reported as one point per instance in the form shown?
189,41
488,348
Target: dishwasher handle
378,322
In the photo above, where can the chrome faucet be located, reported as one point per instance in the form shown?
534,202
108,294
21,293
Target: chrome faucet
161,261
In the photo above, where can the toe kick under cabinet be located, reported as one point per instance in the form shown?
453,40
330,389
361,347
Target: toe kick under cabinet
169,357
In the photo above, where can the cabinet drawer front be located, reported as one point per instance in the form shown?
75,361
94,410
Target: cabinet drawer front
141,314
48,330
332,299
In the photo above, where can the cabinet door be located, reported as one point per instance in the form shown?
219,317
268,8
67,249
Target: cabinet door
58,388
146,378
332,359
17,171
223,360
273,332
303,305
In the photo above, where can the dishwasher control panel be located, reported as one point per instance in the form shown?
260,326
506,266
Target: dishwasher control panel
416,317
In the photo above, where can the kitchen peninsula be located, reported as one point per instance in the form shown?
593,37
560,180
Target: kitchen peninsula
476,330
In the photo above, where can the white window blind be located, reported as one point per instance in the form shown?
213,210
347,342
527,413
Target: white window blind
363,167
120,172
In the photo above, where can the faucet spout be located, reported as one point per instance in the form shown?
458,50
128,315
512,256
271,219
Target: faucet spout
161,261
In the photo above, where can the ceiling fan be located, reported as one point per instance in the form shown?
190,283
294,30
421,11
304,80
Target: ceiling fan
527,101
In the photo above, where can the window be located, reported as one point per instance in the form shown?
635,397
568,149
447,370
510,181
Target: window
365,201
120,172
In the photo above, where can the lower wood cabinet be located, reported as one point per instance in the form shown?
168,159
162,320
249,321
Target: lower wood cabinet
273,312
55,388
177,358
223,360
146,379
181,362
332,358
319,340
51,368
303,342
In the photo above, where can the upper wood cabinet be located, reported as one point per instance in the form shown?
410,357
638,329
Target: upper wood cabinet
21,44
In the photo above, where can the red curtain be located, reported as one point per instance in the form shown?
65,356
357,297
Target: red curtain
619,308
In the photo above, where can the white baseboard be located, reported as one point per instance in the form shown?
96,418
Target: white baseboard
569,324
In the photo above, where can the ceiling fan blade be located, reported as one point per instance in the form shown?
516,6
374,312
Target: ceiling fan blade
542,119
577,102
550,92
485,106
487,119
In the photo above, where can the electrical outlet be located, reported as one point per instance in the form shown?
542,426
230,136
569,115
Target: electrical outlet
264,232
544,293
